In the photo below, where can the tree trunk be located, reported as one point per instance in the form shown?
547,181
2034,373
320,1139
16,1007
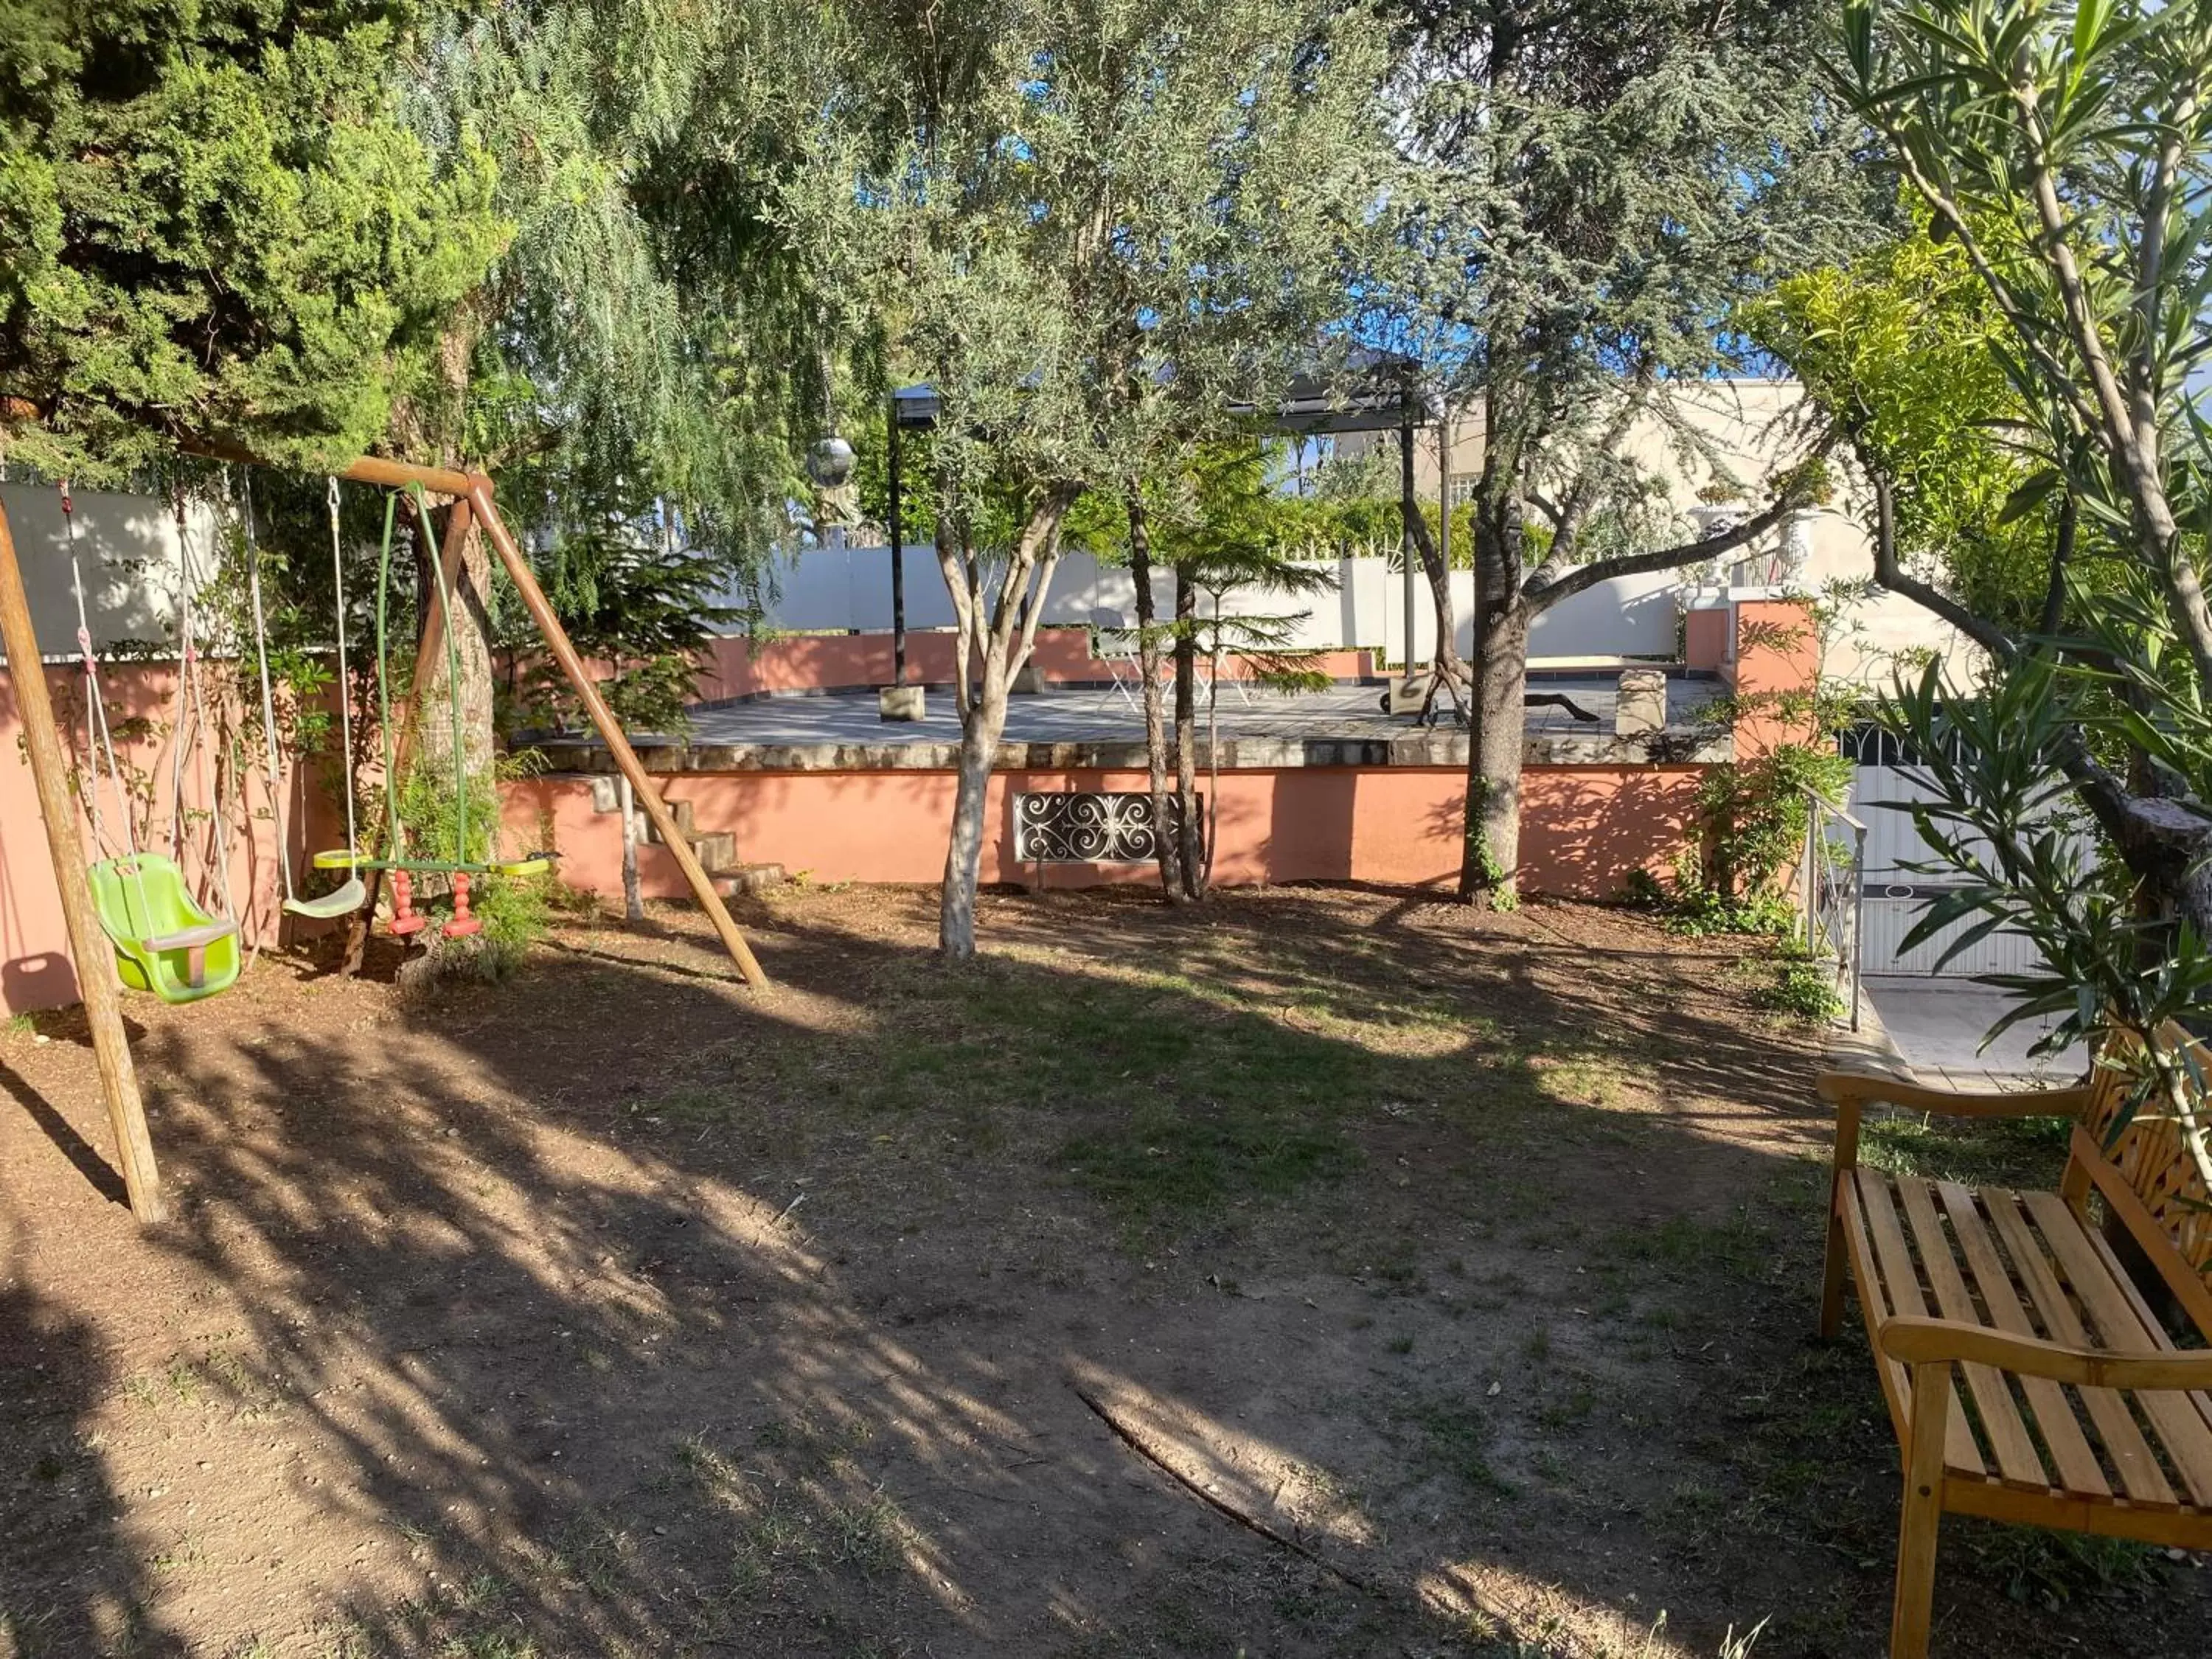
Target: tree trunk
1490,855
1001,629
1188,829
1490,862
1168,847
964,852
470,633
1448,672
470,627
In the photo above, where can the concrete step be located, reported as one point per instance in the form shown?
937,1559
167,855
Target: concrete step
749,879
716,849
686,816
686,824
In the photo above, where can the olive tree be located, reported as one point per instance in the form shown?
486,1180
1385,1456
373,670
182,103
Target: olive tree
1095,228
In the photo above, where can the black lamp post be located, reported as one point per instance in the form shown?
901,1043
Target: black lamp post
899,558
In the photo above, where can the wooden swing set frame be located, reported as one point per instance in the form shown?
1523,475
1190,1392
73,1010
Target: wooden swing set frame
472,504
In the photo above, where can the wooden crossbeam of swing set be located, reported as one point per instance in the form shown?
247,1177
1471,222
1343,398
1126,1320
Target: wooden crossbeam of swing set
471,495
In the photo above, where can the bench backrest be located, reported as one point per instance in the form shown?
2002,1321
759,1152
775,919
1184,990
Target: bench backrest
2150,1182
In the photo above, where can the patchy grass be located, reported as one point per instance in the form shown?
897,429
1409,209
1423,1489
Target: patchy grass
2019,1151
1803,990
1471,1251
2052,1569
1454,1438
1173,1161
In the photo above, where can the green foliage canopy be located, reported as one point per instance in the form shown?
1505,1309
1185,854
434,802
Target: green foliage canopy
1901,346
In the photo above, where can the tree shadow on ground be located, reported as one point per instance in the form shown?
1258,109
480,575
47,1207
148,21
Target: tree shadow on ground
611,1310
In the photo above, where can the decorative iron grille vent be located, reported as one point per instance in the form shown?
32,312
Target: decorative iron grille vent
1087,827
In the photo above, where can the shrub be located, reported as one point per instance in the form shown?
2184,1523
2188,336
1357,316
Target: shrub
1800,987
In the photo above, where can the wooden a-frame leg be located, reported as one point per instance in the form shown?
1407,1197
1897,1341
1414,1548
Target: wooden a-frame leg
1922,1514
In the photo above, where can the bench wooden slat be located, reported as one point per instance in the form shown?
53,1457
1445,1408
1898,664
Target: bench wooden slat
2119,1187
2017,1459
2024,1282
2147,1177
2125,1449
2079,1471
1896,1389
1903,1283
2150,1322
2126,1323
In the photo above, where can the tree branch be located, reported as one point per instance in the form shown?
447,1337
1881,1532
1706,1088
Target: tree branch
1541,595
2159,840
1890,575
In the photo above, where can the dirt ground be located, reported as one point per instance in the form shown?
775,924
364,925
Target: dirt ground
611,1310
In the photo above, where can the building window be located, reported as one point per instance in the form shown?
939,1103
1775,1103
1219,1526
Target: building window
1462,487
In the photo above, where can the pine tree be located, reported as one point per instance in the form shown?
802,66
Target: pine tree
1596,188
215,225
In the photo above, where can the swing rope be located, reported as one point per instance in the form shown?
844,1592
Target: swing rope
383,697
193,721
99,740
270,765
185,724
391,836
345,684
351,896
453,680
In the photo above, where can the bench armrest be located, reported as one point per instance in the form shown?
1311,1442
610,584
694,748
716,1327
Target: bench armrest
1863,1088
1918,1341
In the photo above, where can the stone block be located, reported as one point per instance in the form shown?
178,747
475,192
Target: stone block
1641,706
901,702
1030,683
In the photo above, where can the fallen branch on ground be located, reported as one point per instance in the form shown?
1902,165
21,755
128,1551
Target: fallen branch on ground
1252,1523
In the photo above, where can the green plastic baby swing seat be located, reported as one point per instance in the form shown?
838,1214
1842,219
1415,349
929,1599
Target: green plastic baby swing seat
164,942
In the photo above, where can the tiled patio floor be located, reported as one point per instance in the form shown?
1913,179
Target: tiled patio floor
1104,714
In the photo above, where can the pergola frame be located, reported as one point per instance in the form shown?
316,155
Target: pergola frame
472,495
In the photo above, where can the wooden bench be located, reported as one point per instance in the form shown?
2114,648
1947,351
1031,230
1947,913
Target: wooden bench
2029,1377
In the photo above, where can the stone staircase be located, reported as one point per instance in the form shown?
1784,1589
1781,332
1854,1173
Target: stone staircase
716,849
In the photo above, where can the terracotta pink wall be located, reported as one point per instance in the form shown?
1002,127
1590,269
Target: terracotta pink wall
1584,828
35,967
1705,638
1778,662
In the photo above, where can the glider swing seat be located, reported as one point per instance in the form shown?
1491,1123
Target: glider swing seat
165,940
406,920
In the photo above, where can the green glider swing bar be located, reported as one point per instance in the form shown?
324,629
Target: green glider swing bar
349,857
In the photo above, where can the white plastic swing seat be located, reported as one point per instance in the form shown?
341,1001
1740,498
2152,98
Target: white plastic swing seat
345,901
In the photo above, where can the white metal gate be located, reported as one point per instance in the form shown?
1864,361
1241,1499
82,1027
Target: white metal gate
1897,897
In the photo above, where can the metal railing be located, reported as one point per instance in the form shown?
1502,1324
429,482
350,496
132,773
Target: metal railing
1832,885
